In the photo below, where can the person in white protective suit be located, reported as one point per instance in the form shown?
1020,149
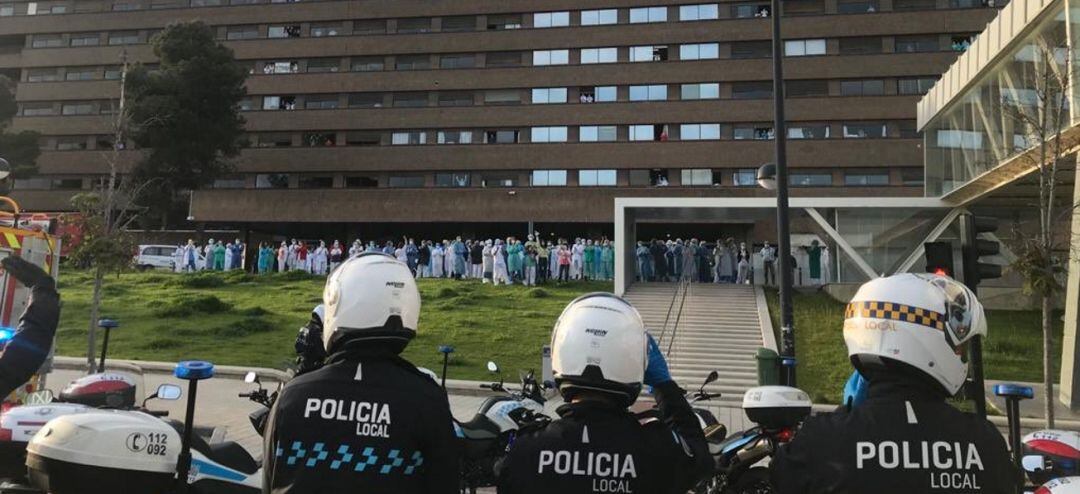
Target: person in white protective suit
319,258
500,273
437,260
577,259
208,256
489,261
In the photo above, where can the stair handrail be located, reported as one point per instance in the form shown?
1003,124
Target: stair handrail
682,289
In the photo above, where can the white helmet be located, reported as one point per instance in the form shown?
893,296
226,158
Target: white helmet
921,320
371,297
599,344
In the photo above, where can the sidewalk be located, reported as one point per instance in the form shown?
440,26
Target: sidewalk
1031,411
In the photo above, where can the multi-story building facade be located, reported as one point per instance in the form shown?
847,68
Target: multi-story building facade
478,112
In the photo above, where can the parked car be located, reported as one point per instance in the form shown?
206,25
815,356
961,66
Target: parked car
158,257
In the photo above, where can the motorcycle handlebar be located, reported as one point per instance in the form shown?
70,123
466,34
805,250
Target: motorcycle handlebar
158,413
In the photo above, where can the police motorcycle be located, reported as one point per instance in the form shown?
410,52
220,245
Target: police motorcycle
1049,458
486,436
138,452
778,411
261,396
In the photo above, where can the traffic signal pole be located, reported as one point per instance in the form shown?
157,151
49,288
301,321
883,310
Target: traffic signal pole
973,249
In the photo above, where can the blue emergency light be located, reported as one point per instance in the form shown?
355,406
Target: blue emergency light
6,334
194,370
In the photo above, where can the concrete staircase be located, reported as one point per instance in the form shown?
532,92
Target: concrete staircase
719,330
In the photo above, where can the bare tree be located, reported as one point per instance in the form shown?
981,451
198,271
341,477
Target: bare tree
104,216
1034,100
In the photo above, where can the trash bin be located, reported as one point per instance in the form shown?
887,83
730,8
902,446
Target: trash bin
768,367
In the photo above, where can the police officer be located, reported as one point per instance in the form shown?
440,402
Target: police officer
367,421
599,354
28,348
310,352
907,335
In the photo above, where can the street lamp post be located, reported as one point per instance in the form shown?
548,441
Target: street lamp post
775,176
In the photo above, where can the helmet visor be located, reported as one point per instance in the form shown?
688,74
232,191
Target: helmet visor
959,309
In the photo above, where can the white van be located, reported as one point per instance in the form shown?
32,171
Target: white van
156,257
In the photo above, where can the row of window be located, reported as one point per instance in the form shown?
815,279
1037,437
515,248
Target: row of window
646,14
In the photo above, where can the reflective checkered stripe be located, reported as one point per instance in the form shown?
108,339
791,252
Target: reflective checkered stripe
896,312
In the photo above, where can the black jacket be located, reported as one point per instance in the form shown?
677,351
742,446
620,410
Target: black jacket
362,423
476,254
27,350
598,447
902,439
424,255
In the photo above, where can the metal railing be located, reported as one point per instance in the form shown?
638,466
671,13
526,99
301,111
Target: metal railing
682,290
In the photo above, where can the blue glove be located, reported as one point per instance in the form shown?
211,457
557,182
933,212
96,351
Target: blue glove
656,372
855,390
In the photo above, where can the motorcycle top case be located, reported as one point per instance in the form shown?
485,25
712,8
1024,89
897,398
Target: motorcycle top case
776,407
1058,449
111,450
19,424
103,390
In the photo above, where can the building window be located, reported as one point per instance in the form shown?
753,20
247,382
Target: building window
272,181
206,3
699,132
750,11
597,133
599,17
366,100
864,130
648,132
752,90
869,87
85,39
751,49
458,24
459,61
699,51
915,86
804,47
548,178
281,67
273,140
283,31
745,177
808,131
501,137
241,32
599,55
655,177
648,14
414,25
455,137
32,183
67,183
47,41
597,178
811,179
493,179
229,183
701,12
125,6
655,92
363,139
648,53
598,94
82,73
322,65
908,130
279,102
754,133
414,99
856,6
406,181
71,143
916,44
78,108
697,177
413,62
548,134
38,109
551,57
315,182
361,182
113,73
369,26
912,177
708,90
806,88
503,59
502,22
548,95
456,179
367,64
914,4
502,97
7,10
860,46
326,29
124,38
408,138
456,98
42,75
321,102
866,179
551,19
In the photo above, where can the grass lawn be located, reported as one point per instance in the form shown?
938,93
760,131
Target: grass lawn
1012,350
240,319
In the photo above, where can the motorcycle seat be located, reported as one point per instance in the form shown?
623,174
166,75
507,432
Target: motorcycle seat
232,455
480,428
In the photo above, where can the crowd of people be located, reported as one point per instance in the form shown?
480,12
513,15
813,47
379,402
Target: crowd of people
724,261
495,261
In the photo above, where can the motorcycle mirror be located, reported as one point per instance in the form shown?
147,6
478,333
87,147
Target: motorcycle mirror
492,367
1033,463
168,392
251,378
43,397
713,376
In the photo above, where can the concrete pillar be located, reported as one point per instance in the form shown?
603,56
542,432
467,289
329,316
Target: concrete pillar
625,243
1070,372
